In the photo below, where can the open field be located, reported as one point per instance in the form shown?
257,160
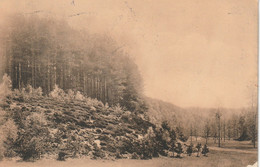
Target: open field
231,144
236,154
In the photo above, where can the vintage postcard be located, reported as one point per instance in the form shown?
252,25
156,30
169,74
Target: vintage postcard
148,83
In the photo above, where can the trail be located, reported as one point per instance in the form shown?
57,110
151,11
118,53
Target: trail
234,150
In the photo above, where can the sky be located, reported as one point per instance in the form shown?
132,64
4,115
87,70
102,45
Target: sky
190,53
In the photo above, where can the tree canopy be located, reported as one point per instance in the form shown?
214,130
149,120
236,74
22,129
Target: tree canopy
44,52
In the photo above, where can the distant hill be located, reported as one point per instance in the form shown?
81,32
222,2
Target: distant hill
159,111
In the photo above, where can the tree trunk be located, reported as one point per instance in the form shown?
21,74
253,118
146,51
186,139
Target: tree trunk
20,76
219,135
224,131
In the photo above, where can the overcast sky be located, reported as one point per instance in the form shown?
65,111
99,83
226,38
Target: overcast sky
190,52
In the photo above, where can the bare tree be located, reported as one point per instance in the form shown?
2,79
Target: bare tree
224,130
191,133
252,123
206,130
218,119
229,129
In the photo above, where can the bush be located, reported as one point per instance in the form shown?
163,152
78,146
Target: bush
28,92
70,95
93,102
61,156
189,150
33,139
118,110
79,96
178,150
29,89
32,149
38,91
5,87
8,135
205,150
57,93
1,150
2,116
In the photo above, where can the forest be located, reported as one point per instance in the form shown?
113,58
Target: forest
65,90
44,52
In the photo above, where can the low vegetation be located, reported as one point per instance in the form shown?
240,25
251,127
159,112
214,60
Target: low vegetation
68,124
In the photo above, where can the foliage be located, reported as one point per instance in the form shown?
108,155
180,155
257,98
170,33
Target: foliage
178,150
8,129
189,149
33,91
57,93
33,139
57,57
205,150
79,96
70,95
5,87
8,135
118,110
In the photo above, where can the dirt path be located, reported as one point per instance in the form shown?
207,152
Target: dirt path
234,150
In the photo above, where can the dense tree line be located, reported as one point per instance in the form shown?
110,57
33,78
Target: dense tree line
241,127
217,124
44,52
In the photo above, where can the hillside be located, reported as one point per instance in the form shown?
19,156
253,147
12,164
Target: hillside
191,118
77,127
160,111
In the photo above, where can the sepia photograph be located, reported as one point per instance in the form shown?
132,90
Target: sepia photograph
129,83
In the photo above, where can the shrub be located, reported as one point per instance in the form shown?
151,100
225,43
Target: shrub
38,91
1,150
205,150
61,156
8,135
57,93
32,149
92,102
30,91
150,133
2,116
33,139
5,87
178,150
118,110
70,95
189,150
79,96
